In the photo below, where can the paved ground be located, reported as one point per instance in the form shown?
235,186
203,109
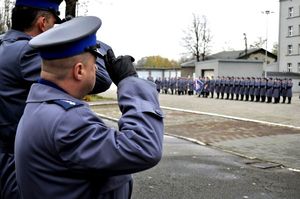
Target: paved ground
266,140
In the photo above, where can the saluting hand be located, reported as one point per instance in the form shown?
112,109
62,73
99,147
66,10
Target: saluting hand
119,68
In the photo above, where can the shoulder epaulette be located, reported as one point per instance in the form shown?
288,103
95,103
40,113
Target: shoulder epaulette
67,104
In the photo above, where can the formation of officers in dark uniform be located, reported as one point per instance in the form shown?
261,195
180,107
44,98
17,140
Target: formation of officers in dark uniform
231,88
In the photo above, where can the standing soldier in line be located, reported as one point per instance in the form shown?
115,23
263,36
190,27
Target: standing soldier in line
247,88
222,87
227,87
276,91
165,85
231,88
180,86
171,83
257,89
176,79
242,88
237,88
269,94
212,87
190,86
263,89
289,92
186,82
283,91
158,84
218,86
252,88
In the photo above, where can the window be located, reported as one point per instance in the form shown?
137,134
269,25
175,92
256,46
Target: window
290,49
291,12
290,31
298,67
289,67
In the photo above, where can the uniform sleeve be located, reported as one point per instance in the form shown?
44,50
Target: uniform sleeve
103,80
30,63
86,145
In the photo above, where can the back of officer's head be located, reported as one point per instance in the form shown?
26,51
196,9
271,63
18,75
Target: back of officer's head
23,18
26,12
69,54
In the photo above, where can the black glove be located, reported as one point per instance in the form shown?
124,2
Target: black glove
120,67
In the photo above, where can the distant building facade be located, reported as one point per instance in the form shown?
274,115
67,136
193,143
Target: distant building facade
229,67
289,36
156,73
243,62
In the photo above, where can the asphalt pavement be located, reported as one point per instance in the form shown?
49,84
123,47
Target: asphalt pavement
277,139
243,150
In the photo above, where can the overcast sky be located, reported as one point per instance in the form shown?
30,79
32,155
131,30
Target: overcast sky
155,27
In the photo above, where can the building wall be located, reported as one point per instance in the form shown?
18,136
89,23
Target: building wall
237,68
241,68
206,65
285,20
187,71
261,57
156,73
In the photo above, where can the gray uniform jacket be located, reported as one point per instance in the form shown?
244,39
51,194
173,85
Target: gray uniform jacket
257,88
20,66
276,89
218,85
64,151
252,87
270,84
289,92
263,88
242,87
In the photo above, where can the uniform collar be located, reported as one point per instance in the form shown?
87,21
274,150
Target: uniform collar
51,84
43,93
15,35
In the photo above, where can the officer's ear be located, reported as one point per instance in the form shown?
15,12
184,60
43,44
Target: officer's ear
45,22
78,71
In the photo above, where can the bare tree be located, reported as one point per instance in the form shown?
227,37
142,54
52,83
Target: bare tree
74,6
71,7
259,43
5,15
197,38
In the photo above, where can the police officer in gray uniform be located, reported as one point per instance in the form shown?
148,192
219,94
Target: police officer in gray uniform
237,88
73,153
227,87
172,85
231,88
20,66
263,89
242,88
289,92
218,86
158,84
269,94
252,88
276,90
247,88
257,89
212,84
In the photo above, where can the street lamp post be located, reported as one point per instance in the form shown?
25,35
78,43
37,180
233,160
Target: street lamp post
266,12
